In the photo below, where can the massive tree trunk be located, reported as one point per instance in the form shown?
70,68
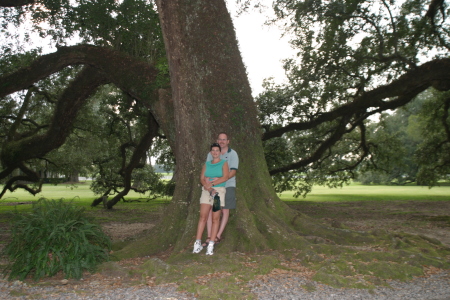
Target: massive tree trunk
211,93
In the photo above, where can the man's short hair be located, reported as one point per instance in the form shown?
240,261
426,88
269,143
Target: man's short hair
223,132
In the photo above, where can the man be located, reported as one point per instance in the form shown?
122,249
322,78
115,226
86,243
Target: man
232,158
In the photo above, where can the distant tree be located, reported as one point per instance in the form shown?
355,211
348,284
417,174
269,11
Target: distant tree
433,153
411,144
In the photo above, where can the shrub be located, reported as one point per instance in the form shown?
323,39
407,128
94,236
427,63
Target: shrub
55,236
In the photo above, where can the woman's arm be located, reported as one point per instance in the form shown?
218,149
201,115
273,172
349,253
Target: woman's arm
207,185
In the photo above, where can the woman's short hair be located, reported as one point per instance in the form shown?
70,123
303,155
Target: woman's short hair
215,145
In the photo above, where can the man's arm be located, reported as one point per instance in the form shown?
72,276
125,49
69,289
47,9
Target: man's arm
233,163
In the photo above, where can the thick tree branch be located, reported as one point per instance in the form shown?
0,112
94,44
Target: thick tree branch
16,151
22,111
135,162
445,120
433,8
117,67
435,73
105,66
16,182
339,131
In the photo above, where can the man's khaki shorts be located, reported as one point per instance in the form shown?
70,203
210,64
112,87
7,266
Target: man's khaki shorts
206,198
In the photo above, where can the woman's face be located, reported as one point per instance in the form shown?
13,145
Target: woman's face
215,152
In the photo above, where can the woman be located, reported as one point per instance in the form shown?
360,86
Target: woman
216,168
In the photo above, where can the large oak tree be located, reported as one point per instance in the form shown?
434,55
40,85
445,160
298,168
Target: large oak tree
209,93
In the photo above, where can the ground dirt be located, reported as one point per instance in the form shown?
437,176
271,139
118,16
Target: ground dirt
427,218
430,218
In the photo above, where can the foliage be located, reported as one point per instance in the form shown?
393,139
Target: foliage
163,154
55,236
346,51
110,119
115,138
433,153
412,144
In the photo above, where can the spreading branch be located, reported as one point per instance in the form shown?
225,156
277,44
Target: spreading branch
435,74
400,92
117,67
15,152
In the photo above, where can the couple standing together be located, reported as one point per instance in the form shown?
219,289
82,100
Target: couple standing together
218,176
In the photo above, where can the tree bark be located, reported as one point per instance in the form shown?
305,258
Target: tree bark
74,177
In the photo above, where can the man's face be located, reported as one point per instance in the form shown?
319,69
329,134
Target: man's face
223,141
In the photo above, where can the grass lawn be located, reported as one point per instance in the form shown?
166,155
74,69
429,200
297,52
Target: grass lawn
80,194
83,196
358,192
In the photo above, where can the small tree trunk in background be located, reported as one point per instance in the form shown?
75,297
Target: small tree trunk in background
74,176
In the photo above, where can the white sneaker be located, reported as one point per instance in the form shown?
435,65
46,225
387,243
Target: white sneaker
210,249
197,247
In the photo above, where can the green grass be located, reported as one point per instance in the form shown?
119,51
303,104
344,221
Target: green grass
66,191
80,194
358,192
83,196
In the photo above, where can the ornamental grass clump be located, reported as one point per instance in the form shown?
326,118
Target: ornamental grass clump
55,236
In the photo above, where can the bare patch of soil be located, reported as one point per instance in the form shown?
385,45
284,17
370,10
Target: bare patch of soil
122,231
429,218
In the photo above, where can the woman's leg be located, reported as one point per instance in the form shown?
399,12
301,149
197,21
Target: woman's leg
204,212
208,228
214,229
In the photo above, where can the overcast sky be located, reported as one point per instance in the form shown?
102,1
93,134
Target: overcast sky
261,46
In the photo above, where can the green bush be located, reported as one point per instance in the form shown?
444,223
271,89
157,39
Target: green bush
55,236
